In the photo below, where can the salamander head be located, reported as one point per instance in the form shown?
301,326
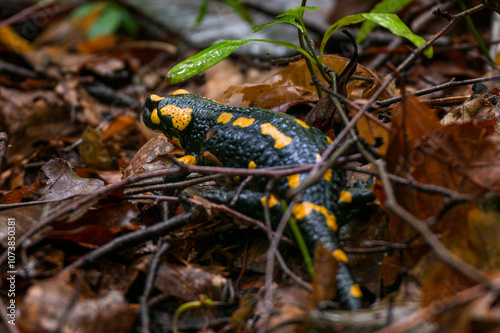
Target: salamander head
168,115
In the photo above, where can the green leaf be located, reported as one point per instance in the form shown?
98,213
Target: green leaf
347,20
297,12
214,54
84,9
394,24
285,19
239,9
202,12
389,21
384,6
129,24
109,21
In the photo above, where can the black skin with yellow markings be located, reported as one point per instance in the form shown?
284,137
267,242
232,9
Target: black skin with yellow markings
250,137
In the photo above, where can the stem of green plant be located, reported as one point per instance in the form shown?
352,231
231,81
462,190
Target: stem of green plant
302,35
312,52
204,301
473,29
308,61
300,243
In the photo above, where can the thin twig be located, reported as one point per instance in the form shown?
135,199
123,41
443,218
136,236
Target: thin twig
426,188
34,9
129,240
75,295
434,309
316,173
450,84
148,286
240,188
182,184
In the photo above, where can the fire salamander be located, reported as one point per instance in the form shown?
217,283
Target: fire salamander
255,138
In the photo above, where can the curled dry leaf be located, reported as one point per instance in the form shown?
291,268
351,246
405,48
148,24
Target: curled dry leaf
152,156
482,105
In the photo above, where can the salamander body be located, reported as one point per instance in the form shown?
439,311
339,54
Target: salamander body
255,138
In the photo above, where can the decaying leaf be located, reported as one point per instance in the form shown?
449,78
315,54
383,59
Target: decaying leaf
93,152
64,182
186,283
152,156
45,307
325,280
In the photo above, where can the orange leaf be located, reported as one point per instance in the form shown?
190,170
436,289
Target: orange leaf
116,126
14,196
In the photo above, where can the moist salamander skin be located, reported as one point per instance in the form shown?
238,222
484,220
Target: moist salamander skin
255,138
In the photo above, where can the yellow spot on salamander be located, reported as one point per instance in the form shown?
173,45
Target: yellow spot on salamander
155,98
304,209
281,139
356,291
243,122
273,201
293,180
180,117
213,100
252,165
345,197
180,92
154,117
328,175
188,159
177,141
303,124
340,256
225,118
328,140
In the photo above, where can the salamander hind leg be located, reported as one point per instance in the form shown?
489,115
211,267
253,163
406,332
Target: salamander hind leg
319,225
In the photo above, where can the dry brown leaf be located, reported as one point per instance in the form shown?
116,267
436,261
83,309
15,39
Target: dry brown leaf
45,303
152,156
291,84
187,283
64,182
